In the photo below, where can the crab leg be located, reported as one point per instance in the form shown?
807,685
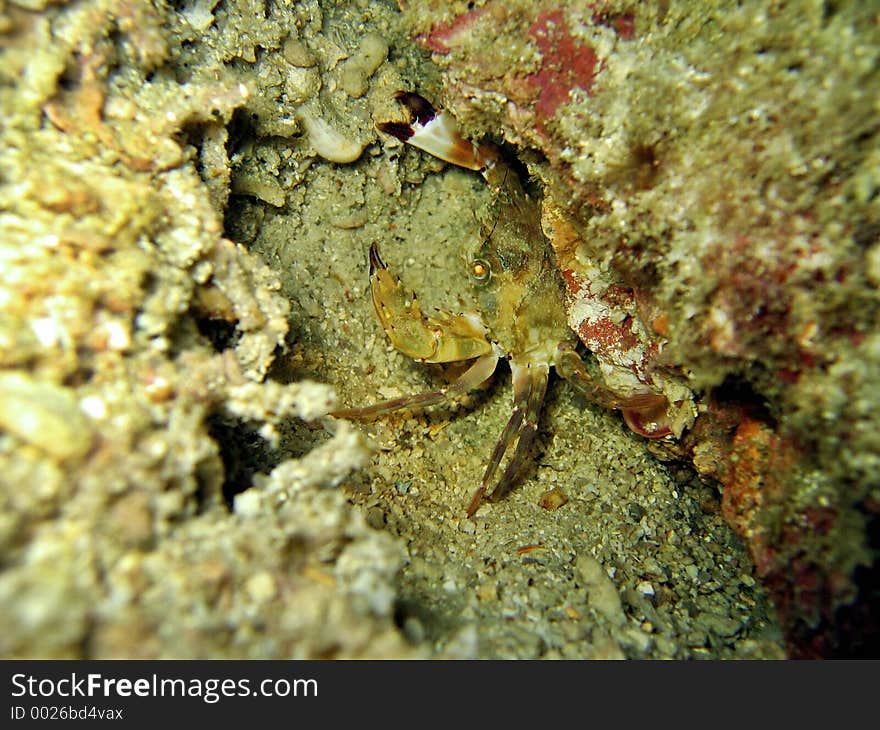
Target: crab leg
570,366
514,423
529,387
470,379
644,413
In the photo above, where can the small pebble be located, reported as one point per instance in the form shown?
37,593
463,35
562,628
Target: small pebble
666,646
602,594
297,53
552,499
247,503
488,591
413,630
44,414
637,639
260,587
357,70
376,518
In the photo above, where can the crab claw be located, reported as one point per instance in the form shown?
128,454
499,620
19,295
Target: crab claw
651,423
435,132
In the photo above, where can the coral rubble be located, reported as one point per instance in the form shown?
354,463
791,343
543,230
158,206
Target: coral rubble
132,332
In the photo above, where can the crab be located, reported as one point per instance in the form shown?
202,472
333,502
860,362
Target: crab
521,314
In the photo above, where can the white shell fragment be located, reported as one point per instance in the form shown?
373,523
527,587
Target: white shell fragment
329,143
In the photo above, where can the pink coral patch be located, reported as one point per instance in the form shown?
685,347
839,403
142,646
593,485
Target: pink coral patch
566,64
443,36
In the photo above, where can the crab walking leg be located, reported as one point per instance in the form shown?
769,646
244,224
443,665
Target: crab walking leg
538,389
470,379
529,387
570,366
520,403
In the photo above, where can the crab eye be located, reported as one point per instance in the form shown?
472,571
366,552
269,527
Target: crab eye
480,270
